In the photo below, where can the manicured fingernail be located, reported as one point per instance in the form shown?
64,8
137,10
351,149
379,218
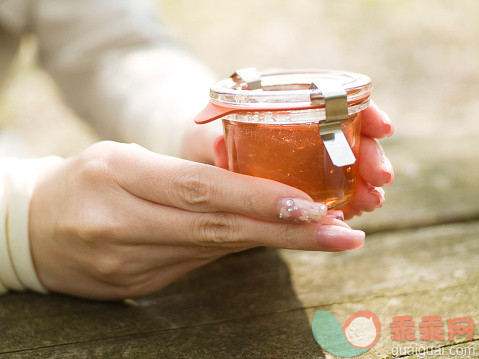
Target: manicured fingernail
339,238
301,210
388,123
360,247
388,170
379,193
336,215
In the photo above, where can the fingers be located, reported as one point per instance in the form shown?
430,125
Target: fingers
330,235
164,225
367,198
201,188
374,167
375,171
375,122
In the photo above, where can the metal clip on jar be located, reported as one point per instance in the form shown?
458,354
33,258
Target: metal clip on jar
299,127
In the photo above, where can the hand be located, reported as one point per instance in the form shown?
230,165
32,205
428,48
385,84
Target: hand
198,142
119,221
375,169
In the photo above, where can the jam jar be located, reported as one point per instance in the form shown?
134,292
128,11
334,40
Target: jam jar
298,127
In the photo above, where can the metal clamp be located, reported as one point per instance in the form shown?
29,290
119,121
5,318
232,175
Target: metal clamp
336,106
250,76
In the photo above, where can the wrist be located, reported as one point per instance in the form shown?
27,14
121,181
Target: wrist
18,180
41,219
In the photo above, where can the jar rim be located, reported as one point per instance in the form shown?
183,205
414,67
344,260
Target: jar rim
289,88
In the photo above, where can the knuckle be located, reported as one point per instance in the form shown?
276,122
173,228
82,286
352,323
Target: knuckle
253,201
109,265
98,160
88,227
117,268
215,228
97,228
286,236
103,149
193,186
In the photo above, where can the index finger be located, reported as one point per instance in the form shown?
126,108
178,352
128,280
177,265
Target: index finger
203,188
375,122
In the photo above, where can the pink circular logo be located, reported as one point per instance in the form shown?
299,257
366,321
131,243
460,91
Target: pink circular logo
362,329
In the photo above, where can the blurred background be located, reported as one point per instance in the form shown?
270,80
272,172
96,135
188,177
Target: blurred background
423,58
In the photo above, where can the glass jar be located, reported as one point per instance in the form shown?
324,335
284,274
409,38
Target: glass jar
298,127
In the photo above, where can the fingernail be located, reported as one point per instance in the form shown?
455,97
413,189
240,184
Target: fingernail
360,247
379,193
339,238
387,121
301,210
388,170
336,215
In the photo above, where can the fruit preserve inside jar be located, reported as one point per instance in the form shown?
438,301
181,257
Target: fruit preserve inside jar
293,154
275,132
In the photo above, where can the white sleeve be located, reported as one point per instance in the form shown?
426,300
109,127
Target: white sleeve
17,180
120,70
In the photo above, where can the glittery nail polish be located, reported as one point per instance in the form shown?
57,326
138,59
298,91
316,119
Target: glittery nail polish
301,210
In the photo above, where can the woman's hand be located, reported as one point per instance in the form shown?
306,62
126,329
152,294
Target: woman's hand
375,169
119,221
198,142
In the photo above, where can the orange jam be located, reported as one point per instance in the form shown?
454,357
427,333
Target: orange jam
294,154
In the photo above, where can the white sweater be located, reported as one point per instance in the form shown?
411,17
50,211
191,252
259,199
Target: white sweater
119,70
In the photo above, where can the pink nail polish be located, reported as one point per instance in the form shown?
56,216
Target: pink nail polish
359,248
379,193
301,210
387,121
339,238
336,215
388,170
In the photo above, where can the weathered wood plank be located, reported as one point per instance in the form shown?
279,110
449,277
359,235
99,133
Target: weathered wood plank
276,335
252,284
287,334
436,182
391,263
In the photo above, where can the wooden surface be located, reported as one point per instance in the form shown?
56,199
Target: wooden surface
421,258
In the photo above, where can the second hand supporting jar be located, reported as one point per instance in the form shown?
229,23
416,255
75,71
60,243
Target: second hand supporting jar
298,127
